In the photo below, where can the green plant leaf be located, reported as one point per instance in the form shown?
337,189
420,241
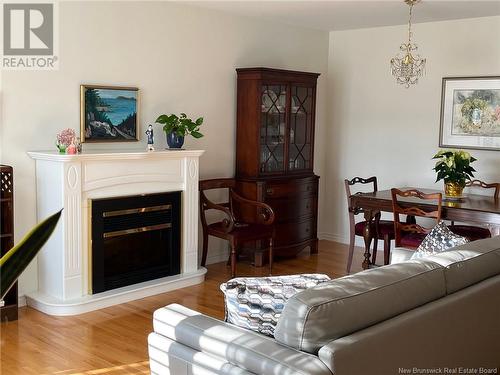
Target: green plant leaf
162,119
15,261
199,121
196,134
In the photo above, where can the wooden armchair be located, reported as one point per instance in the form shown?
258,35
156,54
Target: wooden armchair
258,225
410,234
472,232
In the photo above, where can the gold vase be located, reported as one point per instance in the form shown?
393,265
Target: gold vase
453,189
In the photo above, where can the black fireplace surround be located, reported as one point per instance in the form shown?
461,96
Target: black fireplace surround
135,239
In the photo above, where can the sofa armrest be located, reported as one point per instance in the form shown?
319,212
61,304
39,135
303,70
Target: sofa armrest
243,348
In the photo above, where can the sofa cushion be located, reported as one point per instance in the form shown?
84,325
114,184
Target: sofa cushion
485,245
337,308
470,263
256,303
400,254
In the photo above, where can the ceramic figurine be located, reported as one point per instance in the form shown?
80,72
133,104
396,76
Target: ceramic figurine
151,138
78,144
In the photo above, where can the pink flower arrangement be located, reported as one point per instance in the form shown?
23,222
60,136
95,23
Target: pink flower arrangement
497,113
66,137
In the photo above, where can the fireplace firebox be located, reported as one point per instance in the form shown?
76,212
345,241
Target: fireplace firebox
134,239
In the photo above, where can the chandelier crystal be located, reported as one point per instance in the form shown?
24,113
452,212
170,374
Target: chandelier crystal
407,67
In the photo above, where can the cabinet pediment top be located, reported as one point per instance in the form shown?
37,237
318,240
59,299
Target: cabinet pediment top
270,71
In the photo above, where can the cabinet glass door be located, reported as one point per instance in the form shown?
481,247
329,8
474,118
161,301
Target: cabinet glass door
300,133
273,128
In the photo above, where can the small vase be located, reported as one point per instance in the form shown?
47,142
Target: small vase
453,189
61,148
174,140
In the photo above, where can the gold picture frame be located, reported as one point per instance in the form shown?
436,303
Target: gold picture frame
109,113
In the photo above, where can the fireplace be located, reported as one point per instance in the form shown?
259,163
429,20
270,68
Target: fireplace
134,239
78,183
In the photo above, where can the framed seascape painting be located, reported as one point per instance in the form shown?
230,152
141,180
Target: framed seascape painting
108,114
470,113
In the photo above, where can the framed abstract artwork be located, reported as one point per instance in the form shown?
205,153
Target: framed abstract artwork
108,113
470,113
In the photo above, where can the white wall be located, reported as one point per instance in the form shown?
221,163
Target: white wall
182,58
379,128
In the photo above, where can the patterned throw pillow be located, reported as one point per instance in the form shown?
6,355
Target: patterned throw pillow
256,303
439,239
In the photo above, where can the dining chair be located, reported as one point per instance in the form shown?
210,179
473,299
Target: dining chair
383,229
472,232
257,226
409,234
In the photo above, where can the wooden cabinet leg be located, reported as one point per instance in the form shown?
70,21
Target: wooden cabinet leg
314,247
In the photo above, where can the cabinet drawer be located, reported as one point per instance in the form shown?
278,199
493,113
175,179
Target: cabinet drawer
306,186
293,209
295,232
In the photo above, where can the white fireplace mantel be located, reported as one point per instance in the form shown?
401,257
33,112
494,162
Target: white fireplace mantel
70,182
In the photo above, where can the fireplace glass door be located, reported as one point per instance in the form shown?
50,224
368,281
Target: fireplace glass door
134,239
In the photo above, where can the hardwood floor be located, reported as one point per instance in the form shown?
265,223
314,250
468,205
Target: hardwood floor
112,341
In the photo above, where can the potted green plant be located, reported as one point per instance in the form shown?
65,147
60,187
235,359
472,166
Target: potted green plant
177,127
15,261
454,167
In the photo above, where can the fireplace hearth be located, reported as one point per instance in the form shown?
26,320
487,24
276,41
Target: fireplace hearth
134,239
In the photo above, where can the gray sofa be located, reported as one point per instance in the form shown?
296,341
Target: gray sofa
442,312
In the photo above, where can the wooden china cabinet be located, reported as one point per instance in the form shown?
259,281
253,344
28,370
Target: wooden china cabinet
274,152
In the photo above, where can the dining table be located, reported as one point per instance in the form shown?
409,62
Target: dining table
470,208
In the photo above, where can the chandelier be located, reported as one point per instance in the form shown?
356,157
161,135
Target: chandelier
408,66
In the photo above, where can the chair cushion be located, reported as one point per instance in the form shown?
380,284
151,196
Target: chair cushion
469,264
472,233
339,307
411,240
256,303
384,227
439,239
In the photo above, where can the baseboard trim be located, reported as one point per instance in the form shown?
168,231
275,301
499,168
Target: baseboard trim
220,256
341,239
21,301
332,237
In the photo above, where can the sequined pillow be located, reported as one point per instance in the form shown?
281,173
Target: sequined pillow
439,239
256,303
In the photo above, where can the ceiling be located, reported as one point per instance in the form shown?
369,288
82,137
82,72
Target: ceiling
354,14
